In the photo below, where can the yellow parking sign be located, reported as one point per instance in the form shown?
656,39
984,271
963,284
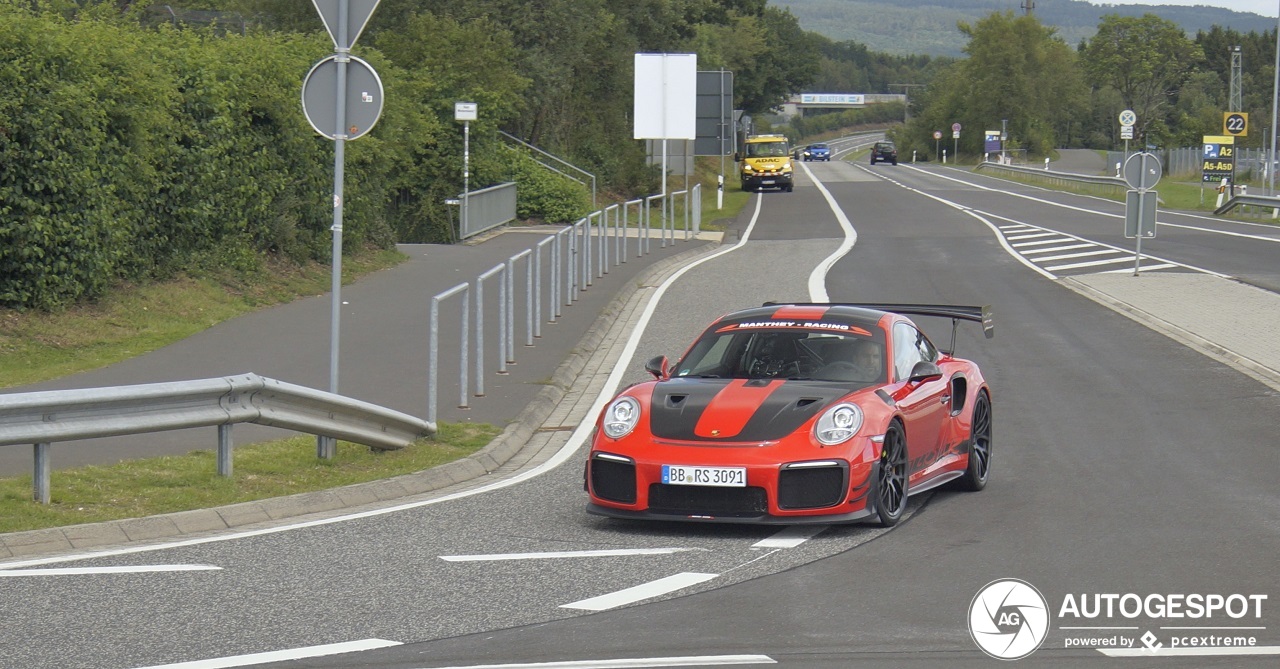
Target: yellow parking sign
1235,124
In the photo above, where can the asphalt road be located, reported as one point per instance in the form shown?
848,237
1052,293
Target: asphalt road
1125,463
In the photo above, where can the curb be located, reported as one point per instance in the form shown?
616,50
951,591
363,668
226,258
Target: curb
1252,368
501,450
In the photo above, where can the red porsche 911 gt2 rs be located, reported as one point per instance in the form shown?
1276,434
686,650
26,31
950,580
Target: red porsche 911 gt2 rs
796,413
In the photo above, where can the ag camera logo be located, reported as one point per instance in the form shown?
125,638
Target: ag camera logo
1008,619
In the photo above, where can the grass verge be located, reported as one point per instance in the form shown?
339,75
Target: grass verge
137,319
138,488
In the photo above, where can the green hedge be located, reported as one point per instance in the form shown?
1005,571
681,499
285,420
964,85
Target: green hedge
131,153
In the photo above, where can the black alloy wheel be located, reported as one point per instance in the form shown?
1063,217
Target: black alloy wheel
891,485
975,477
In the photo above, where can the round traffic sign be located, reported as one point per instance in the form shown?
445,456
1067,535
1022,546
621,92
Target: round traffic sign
955,127
1142,170
1235,123
937,134
363,98
1127,117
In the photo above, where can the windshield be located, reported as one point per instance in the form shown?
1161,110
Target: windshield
786,354
767,150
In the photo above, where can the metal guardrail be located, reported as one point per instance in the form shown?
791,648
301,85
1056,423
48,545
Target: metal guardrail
1054,175
1264,201
43,417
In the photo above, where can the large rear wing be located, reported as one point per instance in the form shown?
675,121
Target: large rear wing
955,312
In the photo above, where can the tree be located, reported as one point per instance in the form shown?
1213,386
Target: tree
1017,71
1145,59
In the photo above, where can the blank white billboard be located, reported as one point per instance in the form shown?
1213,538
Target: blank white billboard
666,96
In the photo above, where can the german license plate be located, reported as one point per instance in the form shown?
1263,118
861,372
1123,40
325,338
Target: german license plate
727,477
768,182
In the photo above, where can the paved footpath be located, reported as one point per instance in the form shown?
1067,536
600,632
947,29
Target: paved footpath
1227,320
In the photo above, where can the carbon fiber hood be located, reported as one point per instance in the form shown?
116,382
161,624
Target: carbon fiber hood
736,409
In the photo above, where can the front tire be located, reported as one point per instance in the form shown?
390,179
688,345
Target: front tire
891,482
979,470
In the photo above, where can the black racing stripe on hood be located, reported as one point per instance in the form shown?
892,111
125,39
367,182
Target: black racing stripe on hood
678,404
788,408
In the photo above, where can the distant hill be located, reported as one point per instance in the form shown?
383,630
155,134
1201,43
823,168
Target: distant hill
907,27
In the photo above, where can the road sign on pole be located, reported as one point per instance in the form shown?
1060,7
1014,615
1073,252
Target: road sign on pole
353,13
344,19
1140,214
363,98
1235,124
1142,170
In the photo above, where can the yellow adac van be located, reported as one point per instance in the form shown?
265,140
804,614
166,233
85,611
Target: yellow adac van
765,162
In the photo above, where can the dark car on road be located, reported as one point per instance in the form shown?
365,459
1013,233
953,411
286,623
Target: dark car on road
817,152
884,152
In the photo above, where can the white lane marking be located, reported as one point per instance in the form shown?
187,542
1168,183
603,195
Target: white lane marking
633,663
641,592
81,571
1081,254
1190,652
1222,232
792,536
1102,213
1066,236
280,655
620,552
1093,263
818,277
576,439
1053,249
1031,235
1122,271
1059,240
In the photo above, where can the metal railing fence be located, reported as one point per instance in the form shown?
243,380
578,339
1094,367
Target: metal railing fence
486,209
45,417
575,255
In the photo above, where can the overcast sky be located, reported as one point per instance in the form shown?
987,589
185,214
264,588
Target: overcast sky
1263,7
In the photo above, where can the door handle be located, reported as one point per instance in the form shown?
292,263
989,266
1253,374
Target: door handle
946,398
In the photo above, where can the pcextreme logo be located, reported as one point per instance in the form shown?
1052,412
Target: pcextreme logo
1008,619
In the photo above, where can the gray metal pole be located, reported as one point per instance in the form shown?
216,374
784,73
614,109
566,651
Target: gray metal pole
466,176
327,447
1275,93
40,485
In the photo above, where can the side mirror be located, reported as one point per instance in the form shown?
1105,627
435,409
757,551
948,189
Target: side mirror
924,371
737,156
658,367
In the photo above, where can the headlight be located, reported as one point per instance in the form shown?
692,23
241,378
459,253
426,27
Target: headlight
746,167
838,424
786,167
621,416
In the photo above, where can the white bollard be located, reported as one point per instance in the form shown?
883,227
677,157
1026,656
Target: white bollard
1046,164
944,156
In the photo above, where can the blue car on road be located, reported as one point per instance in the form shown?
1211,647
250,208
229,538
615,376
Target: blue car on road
817,152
